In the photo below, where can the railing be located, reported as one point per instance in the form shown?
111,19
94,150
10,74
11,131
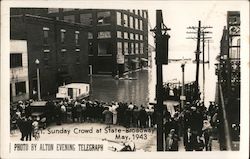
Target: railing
226,126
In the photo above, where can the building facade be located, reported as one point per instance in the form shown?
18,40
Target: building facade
118,39
60,47
19,81
228,72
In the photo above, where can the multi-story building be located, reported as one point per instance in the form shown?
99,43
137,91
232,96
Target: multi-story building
118,39
228,72
19,81
61,48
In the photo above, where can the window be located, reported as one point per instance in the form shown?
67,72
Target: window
145,14
90,35
125,35
141,48
69,18
141,27
103,18
119,48
46,62
78,57
53,10
104,48
125,20
131,22
119,34
104,34
131,36
86,19
118,18
63,35
136,48
77,37
136,23
90,49
20,88
141,37
136,37
132,48
63,53
45,35
126,48
16,60
46,57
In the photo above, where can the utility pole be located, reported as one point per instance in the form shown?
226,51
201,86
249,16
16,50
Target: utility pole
200,30
161,58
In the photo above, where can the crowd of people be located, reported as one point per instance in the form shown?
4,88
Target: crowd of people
195,123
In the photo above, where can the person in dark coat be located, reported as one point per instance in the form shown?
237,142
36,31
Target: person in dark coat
189,140
21,126
28,128
143,117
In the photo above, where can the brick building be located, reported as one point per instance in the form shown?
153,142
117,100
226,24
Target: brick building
61,48
118,39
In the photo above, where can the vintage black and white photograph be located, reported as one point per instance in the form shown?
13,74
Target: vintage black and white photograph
127,78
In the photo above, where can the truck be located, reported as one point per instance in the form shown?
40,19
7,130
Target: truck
73,91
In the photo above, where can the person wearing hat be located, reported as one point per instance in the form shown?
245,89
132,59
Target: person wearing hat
171,141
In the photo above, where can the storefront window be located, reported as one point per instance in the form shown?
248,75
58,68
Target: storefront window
104,48
103,18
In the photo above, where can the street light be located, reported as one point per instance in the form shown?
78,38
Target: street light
38,80
183,97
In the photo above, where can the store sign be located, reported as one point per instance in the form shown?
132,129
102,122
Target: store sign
104,34
120,59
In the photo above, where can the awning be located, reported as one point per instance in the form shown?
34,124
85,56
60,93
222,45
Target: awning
144,59
134,60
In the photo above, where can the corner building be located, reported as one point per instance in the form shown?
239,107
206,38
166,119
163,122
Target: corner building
117,39
60,47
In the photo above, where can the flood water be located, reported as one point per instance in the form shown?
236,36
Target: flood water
107,89
142,90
